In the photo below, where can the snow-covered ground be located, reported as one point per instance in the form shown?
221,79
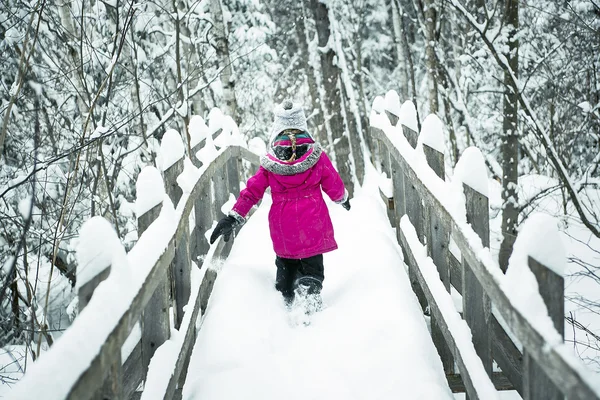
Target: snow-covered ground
371,341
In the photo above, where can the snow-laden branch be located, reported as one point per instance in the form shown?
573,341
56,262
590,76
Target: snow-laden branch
539,130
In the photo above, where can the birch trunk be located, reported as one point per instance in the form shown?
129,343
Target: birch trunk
399,50
430,14
222,47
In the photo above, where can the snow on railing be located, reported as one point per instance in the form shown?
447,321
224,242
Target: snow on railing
125,332
526,304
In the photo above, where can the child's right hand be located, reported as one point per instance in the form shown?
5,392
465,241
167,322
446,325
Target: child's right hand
224,227
346,204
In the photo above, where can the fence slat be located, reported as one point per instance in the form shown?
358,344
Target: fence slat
507,355
180,267
155,319
536,385
476,303
438,239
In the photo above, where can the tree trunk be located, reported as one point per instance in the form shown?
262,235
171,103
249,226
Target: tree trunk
332,97
430,14
399,51
316,111
510,142
222,47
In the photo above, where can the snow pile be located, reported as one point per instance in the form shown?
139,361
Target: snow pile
539,238
215,120
188,178
378,105
470,170
392,102
198,130
408,115
98,246
432,132
171,149
150,190
257,146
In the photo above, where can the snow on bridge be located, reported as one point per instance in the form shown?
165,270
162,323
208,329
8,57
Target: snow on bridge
371,340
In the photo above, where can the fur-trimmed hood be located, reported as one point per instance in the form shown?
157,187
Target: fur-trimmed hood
273,164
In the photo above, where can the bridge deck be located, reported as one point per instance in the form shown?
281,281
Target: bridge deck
371,340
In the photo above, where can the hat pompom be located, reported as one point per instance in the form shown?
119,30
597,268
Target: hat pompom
288,105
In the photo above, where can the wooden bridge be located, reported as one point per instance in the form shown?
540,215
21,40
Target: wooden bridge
141,313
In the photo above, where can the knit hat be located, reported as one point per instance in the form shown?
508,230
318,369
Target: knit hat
288,116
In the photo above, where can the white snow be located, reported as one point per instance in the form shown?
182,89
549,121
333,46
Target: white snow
98,242
198,130
471,170
456,325
542,241
188,178
150,190
378,105
432,132
257,146
392,102
521,285
99,131
215,120
24,206
171,149
408,115
370,342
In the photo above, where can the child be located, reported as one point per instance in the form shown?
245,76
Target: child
296,168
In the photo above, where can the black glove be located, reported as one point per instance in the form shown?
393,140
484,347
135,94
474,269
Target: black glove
224,227
346,204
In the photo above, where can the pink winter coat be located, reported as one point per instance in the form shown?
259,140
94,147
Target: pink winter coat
299,219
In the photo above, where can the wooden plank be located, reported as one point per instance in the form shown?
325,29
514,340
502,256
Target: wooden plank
392,117
180,267
132,373
498,379
536,384
87,290
410,135
437,245
204,218
507,355
476,389
455,272
476,303
435,160
574,383
414,211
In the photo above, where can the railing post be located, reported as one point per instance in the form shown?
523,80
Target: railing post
155,319
221,186
438,237
414,210
98,230
377,108
476,303
180,266
536,385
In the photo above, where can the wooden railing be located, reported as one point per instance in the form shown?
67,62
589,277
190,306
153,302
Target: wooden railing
126,333
493,325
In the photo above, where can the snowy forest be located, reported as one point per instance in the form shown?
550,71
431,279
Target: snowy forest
88,88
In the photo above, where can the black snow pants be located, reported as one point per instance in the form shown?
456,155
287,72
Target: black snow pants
291,273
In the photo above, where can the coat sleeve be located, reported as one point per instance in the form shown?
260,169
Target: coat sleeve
331,182
251,195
